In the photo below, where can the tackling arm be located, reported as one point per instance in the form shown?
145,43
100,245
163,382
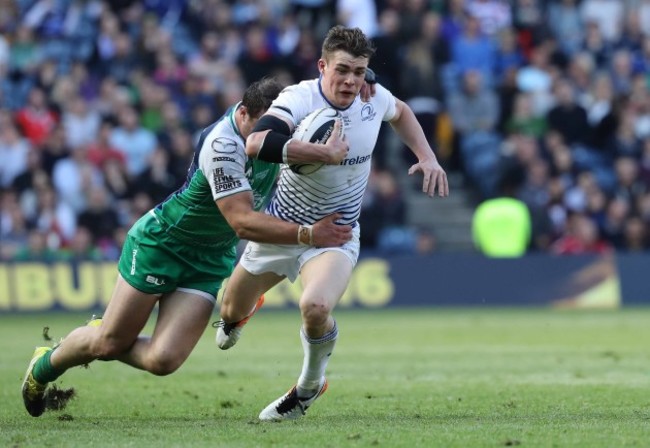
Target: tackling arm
262,228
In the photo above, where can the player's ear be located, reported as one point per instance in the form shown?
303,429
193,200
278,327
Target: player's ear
321,65
242,110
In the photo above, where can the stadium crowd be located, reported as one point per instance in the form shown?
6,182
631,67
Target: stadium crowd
100,103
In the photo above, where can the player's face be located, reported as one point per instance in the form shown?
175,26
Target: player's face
343,76
246,122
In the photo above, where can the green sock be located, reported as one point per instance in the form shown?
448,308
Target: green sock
43,371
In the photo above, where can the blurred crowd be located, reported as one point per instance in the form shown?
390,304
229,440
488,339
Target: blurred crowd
101,102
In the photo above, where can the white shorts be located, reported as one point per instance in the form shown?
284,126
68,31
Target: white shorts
288,259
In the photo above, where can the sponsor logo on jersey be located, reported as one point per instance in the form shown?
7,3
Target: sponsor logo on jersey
368,112
224,145
356,160
223,159
224,182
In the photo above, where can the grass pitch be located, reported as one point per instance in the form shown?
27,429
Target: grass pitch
405,378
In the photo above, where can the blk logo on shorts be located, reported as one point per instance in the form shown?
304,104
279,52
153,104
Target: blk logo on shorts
154,280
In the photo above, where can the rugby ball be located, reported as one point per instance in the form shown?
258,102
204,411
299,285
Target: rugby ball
316,127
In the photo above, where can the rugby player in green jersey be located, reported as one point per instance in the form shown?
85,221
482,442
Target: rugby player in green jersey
179,253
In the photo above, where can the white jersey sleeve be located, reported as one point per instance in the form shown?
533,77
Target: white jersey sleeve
222,161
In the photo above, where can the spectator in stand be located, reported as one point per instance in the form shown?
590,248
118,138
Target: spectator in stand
36,119
616,213
157,180
641,57
582,237
117,180
471,51
72,178
358,14
171,121
37,248
642,207
181,153
602,112
121,63
100,151
14,150
635,235
14,228
536,78
257,58
454,17
567,117
566,24
208,61
32,176
302,60
524,120
421,89
581,70
624,141
81,248
644,163
628,183
99,218
597,46
493,15
432,37
170,72
382,206
608,15
411,13
80,123
474,112
633,34
136,142
621,71
54,218
640,102
388,50
596,206
530,19
25,54
508,54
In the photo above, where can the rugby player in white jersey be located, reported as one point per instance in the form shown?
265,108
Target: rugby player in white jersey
305,198
178,254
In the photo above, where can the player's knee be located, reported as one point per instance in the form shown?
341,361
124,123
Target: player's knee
315,312
230,313
162,364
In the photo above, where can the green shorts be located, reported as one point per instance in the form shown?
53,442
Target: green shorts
154,262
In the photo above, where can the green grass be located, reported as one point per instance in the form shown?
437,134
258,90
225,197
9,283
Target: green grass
407,378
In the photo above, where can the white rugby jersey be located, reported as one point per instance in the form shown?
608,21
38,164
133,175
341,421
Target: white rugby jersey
306,198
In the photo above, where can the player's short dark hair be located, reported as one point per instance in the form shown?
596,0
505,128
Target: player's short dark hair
350,40
259,95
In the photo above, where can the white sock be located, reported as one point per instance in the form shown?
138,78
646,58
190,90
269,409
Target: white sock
317,355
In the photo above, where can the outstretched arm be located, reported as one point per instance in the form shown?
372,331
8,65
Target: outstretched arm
260,227
411,133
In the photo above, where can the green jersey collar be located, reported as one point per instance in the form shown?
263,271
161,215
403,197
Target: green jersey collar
233,123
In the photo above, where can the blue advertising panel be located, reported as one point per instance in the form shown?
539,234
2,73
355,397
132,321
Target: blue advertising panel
438,280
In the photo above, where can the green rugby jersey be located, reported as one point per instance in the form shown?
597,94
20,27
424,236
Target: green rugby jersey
219,168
